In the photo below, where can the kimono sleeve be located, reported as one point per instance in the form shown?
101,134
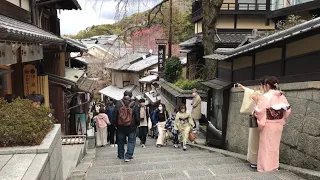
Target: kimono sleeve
176,120
260,111
287,112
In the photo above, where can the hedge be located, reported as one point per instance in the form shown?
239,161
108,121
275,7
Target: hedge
22,124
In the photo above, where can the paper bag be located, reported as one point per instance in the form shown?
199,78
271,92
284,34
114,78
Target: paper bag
247,102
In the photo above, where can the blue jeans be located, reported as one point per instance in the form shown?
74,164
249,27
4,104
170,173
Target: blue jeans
121,138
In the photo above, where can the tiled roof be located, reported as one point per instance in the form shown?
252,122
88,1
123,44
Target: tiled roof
124,62
221,37
197,39
77,44
143,64
280,36
232,37
11,29
216,56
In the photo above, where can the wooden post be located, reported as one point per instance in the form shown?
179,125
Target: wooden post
62,59
170,31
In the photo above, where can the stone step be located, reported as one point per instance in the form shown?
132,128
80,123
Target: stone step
236,173
163,167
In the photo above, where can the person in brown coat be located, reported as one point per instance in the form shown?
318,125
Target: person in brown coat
196,108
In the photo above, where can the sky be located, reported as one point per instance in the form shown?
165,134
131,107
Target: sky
96,12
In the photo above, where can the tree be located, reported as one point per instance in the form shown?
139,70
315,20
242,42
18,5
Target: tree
211,9
173,69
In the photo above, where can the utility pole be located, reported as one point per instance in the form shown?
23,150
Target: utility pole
170,30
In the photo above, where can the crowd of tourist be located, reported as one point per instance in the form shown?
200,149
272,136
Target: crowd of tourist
130,118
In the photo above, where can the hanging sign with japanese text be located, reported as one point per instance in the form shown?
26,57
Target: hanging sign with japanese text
31,52
161,57
30,79
8,53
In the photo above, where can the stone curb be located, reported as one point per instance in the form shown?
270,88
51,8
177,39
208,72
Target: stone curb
306,173
80,172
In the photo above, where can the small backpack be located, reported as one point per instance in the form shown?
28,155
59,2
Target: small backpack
125,114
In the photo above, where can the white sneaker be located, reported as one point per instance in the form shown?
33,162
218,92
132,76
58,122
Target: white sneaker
127,160
143,146
184,148
176,146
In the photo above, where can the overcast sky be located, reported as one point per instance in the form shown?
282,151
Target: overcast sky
71,22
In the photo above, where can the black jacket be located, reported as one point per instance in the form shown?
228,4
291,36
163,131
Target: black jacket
136,116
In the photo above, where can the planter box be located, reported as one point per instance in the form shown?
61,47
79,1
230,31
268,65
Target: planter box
34,162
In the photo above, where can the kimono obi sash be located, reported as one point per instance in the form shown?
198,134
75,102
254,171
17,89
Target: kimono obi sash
184,121
273,114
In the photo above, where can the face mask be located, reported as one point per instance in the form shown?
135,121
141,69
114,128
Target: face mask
183,110
160,108
143,104
193,94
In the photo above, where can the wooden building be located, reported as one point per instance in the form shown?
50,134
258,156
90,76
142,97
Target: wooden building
292,55
32,48
126,73
236,20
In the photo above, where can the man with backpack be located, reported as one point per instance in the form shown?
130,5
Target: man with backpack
127,119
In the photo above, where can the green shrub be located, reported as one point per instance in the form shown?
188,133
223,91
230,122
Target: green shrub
173,69
188,84
22,124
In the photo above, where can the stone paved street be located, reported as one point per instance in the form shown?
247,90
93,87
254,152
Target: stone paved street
169,163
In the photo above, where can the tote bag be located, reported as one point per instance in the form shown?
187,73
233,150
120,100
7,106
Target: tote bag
149,124
247,102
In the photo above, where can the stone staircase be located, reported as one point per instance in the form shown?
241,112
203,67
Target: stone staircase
169,163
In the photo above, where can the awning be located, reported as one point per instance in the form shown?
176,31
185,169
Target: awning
218,84
5,71
14,30
148,79
115,92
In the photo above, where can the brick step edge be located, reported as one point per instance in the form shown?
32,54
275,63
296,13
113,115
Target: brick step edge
305,173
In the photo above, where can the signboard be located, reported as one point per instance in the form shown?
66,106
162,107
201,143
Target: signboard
30,79
161,57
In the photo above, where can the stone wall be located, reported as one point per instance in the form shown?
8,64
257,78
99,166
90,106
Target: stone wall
300,143
42,162
169,106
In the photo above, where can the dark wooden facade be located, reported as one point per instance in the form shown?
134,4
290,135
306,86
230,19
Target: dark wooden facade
15,12
297,68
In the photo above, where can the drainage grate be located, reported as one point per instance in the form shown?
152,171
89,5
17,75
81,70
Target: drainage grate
73,139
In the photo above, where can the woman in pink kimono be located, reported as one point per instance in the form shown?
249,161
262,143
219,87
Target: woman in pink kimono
271,111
